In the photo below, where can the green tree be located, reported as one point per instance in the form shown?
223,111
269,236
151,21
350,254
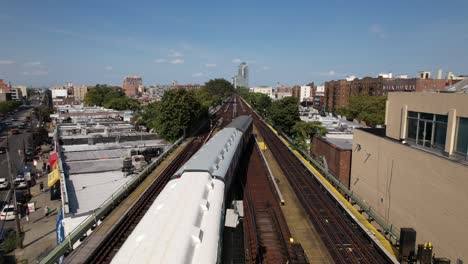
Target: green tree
284,114
7,106
101,94
206,99
42,113
177,112
146,115
370,109
122,103
303,131
219,87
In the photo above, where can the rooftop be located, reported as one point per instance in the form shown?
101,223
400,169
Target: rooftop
341,143
459,87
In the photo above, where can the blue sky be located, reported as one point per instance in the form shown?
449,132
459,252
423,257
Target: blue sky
290,42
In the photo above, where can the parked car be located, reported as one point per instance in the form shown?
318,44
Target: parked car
20,183
4,184
14,131
8,212
3,150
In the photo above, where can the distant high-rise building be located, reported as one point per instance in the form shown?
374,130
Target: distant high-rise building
242,77
131,84
79,92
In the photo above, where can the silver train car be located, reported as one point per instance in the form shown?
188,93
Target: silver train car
185,222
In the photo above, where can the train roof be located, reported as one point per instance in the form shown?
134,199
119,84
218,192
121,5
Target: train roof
216,155
242,123
181,226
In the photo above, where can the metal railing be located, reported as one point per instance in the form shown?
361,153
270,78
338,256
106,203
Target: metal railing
105,208
354,198
390,230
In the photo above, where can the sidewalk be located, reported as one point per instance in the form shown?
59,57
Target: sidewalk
39,232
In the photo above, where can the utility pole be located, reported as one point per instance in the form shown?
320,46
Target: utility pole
19,241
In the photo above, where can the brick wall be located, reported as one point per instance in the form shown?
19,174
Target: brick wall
338,160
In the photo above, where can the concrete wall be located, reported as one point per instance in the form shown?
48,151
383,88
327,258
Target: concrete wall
412,188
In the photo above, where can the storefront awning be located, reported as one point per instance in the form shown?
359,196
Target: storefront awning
53,158
53,177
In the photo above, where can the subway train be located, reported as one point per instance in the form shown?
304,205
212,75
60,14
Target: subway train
185,223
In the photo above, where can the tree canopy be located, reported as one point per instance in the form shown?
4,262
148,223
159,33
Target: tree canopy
178,111
122,103
102,95
219,87
304,131
284,114
7,106
261,102
370,109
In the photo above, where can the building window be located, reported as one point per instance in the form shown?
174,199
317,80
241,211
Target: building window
428,130
462,136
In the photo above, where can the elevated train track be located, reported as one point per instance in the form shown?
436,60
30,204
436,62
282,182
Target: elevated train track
266,234
113,240
345,240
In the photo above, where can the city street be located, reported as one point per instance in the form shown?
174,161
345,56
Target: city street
17,143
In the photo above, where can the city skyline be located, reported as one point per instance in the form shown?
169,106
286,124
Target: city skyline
50,43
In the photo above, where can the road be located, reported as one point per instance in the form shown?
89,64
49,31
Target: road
17,144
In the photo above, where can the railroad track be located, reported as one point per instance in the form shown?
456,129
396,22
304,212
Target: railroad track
346,242
110,246
106,250
266,234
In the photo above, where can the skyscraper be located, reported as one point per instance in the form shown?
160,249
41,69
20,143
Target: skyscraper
242,77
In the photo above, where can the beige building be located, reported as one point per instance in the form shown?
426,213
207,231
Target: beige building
79,92
23,89
414,173
268,90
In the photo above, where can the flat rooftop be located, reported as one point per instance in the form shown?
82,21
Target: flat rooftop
342,143
87,191
95,172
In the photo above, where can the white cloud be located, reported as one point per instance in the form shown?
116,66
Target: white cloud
173,53
266,68
160,60
210,65
198,74
35,73
177,61
377,30
33,63
6,62
236,61
108,68
329,73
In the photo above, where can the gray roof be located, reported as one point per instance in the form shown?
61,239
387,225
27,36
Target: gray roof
215,156
90,166
345,144
242,123
459,87
87,191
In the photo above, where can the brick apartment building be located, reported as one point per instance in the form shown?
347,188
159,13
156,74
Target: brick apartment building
5,87
131,84
337,93
415,85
